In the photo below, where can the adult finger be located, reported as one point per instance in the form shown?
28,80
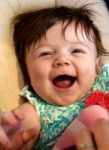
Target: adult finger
9,122
101,134
84,140
4,140
22,139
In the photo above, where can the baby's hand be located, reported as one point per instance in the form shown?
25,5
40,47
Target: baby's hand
11,136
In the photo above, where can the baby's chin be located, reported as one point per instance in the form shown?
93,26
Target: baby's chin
61,101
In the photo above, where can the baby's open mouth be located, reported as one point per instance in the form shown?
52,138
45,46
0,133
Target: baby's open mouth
64,81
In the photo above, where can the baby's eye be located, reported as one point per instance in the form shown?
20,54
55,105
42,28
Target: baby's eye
77,51
45,54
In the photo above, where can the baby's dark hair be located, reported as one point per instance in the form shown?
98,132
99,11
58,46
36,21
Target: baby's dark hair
30,27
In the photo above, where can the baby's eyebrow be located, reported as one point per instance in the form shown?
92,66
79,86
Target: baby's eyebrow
87,45
41,46
36,48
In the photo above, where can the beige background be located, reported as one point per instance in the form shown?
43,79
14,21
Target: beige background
11,80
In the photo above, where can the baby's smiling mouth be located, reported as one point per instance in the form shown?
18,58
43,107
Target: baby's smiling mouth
64,81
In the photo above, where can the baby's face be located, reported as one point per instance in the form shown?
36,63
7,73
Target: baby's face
62,68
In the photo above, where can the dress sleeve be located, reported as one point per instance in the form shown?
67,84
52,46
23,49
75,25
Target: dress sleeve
25,92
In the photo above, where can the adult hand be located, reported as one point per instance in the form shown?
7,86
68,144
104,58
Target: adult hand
97,138
11,135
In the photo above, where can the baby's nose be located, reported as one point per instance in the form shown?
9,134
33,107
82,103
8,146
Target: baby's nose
62,61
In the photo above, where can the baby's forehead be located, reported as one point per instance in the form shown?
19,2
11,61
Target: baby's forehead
69,32
58,36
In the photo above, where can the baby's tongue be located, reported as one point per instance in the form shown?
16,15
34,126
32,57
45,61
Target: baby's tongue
62,83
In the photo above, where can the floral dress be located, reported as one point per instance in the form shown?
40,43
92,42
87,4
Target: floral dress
55,119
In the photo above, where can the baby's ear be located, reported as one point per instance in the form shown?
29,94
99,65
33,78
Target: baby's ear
99,64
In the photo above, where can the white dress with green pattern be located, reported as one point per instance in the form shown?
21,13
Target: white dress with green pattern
55,119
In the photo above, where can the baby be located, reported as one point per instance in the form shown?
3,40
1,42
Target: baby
59,50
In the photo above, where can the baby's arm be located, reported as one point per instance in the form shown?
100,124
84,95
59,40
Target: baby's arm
18,127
